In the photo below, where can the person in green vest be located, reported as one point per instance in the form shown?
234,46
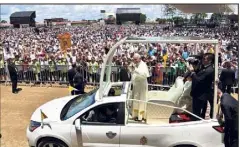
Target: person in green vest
52,68
36,69
59,68
18,64
93,68
2,71
64,69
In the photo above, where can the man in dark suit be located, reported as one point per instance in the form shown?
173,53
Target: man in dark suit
124,73
13,75
202,90
71,73
229,108
227,78
79,82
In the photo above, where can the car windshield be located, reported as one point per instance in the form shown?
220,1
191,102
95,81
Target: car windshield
79,103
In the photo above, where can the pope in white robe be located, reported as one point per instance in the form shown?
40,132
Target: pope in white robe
140,88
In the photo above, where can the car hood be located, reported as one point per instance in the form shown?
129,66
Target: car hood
51,109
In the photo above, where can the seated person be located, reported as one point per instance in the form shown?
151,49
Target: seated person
111,92
108,115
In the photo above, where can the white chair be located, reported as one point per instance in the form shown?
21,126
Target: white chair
161,114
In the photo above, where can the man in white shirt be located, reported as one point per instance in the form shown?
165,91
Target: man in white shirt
74,58
140,88
32,55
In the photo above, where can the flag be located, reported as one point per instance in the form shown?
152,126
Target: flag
43,116
70,89
65,41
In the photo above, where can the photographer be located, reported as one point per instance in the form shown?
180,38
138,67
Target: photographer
195,62
201,90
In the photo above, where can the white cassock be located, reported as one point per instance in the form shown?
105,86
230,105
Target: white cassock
140,89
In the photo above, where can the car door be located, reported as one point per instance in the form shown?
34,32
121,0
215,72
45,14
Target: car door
99,133
137,135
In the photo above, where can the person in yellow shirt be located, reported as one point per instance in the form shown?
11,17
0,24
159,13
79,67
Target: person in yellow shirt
211,50
165,57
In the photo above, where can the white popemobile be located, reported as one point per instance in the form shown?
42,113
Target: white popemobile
101,118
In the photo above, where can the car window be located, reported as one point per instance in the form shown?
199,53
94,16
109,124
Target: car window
115,91
79,103
105,114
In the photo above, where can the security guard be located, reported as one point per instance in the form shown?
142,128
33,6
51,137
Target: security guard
79,82
36,69
52,67
64,69
93,66
13,75
18,64
59,68
229,108
2,72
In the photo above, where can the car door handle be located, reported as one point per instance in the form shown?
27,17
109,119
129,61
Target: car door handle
111,134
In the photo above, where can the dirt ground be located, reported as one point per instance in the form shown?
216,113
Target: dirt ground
16,110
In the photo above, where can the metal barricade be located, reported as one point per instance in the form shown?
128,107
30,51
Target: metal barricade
3,75
58,74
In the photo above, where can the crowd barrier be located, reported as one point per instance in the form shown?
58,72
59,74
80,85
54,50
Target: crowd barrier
41,75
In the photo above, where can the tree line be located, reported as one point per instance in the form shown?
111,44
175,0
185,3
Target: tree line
173,17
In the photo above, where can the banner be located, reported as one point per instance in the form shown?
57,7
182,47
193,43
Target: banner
65,41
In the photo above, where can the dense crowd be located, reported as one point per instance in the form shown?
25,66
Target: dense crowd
38,56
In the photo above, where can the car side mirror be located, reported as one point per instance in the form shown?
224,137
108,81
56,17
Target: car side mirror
78,124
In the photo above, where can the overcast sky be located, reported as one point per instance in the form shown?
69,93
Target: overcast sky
76,12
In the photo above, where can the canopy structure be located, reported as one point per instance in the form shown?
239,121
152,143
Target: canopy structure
172,39
107,64
205,8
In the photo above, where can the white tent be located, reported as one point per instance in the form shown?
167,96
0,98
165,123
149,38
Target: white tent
206,8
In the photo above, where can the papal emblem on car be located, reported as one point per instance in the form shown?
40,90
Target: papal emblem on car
143,140
111,135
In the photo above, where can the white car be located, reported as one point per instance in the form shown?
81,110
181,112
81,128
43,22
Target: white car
102,117
86,121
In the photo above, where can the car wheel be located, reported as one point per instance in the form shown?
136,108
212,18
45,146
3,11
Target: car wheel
51,143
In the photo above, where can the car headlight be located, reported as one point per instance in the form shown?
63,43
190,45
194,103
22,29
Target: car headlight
34,125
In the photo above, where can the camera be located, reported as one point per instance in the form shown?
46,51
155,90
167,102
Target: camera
194,60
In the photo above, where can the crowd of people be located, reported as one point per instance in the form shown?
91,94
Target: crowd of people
38,56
